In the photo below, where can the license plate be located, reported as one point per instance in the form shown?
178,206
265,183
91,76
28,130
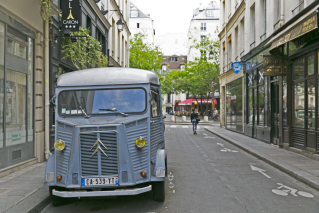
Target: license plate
100,181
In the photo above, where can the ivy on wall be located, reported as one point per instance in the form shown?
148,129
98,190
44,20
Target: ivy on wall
85,52
45,10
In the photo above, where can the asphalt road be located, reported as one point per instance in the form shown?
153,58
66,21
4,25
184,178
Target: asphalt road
209,175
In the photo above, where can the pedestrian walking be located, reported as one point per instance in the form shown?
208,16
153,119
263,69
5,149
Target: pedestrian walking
194,117
215,114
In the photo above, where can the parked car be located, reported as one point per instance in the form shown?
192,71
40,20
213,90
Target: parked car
109,135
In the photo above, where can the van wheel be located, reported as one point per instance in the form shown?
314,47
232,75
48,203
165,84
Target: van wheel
159,191
56,200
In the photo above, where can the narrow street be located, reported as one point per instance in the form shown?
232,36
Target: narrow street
207,174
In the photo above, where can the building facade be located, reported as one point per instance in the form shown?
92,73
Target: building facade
24,43
141,22
280,78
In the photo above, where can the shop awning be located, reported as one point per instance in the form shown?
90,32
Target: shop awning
303,25
192,101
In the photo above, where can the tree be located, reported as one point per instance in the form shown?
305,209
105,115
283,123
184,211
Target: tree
86,52
200,76
143,55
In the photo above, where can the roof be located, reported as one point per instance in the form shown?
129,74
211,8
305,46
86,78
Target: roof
133,7
107,76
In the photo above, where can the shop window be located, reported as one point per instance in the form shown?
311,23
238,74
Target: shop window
311,65
299,105
30,90
261,108
16,48
2,33
16,108
284,101
250,107
311,104
299,69
155,103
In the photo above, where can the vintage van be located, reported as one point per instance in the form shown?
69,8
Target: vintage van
109,138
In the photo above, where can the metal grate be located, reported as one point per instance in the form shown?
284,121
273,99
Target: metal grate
298,138
156,137
143,121
16,154
90,164
109,165
129,125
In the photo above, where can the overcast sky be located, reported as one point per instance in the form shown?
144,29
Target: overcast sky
170,16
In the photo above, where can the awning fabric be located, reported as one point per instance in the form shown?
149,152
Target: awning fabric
303,25
192,101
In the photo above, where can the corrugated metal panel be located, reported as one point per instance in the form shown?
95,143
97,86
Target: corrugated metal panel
156,137
62,158
109,165
138,156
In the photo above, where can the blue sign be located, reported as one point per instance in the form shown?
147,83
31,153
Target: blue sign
237,67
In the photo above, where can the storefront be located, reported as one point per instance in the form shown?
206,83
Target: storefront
17,47
234,105
298,48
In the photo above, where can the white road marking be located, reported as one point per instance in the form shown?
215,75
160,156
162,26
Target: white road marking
285,190
186,127
209,137
254,168
173,126
171,185
219,144
228,150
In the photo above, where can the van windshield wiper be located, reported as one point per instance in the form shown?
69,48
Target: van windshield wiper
114,110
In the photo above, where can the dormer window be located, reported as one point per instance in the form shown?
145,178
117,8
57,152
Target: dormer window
210,13
134,13
174,59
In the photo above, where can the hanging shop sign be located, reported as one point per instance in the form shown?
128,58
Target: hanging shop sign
307,25
237,66
273,66
71,12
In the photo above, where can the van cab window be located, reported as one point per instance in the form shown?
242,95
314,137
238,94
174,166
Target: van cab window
155,103
106,101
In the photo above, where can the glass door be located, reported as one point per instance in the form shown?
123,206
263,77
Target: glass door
275,112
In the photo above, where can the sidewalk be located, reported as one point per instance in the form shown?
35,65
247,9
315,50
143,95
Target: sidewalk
298,166
24,191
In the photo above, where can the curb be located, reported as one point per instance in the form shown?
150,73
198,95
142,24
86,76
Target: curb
40,206
294,172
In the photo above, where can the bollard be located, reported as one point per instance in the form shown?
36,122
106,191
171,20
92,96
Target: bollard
206,118
183,118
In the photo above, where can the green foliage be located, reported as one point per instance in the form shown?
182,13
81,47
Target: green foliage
86,52
144,56
46,10
200,76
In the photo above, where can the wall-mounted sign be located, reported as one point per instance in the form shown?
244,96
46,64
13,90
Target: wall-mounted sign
237,66
273,66
71,13
308,24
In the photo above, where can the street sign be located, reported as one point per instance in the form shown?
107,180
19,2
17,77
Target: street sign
236,66
71,13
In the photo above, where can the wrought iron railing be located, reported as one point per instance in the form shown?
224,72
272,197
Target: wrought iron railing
300,7
252,45
277,25
242,53
263,37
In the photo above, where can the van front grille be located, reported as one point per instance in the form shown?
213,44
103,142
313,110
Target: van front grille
99,164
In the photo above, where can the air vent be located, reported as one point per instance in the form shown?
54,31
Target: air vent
89,129
107,128
124,177
68,127
130,125
61,125
143,121
298,138
16,154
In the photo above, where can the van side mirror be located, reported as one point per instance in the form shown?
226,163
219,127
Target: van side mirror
164,116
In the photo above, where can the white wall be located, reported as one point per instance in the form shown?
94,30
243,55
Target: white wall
145,27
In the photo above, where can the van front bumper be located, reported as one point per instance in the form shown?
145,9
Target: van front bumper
117,192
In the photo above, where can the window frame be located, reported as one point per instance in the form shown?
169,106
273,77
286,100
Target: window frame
203,26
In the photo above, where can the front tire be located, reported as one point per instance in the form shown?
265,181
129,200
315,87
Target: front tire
159,191
56,200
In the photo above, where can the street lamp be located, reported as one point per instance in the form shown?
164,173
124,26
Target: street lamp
211,55
120,25
172,92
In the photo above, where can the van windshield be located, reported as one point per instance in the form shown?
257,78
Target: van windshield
109,101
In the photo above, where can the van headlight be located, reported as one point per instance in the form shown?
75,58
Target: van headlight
59,145
140,142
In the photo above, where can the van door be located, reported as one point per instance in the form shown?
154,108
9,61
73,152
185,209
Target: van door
156,124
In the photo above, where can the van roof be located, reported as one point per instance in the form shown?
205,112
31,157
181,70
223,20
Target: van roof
107,76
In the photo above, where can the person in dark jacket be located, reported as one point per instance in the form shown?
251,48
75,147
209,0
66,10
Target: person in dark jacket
194,117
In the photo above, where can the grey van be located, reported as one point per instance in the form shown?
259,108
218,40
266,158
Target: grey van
109,136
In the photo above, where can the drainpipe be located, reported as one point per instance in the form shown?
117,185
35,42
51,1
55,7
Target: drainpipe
46,90
282,16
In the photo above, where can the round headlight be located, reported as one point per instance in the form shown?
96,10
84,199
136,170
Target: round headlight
59,145
140,142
